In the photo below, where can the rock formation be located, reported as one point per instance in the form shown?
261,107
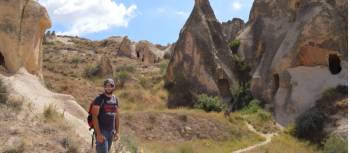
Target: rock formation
296,49
104,67
231,28
22,27
201,62
144,51
50,36
148,53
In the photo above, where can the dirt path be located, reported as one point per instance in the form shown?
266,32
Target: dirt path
267,137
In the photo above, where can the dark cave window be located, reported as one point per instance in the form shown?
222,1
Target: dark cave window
138,54
334,64
2,60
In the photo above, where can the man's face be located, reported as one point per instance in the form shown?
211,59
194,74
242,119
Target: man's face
109,88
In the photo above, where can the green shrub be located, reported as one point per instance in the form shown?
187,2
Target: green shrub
241,64
122,77
252,108
209,103
335,144
264,115
309,125
90,70
255,108
241,95
163,67
234,45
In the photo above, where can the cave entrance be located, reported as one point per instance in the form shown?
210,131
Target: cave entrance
276,79
2,60
138,54
334,64
224,88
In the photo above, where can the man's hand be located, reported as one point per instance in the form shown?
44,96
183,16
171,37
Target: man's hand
100,138
116,136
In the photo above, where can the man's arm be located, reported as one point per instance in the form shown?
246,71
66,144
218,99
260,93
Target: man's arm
95,111
117,120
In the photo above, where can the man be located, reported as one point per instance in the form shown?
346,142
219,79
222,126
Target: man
105,118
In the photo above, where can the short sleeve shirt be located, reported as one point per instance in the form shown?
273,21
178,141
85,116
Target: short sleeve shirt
108,106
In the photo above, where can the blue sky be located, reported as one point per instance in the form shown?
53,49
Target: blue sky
158,21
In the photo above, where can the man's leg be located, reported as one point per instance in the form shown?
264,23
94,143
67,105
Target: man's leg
102,147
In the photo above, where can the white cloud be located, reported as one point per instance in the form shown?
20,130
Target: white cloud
182,14
236,5
81,17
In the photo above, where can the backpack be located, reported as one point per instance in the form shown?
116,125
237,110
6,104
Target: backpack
89,118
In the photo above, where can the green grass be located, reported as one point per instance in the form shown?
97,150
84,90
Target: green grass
200,146
261,120
241,139
285,143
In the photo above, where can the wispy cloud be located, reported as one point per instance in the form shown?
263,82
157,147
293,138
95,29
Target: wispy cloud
80,17
165,11
182,14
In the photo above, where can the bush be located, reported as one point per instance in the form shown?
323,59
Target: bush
122,77
309,125
209,104
163,67
51,114
239,61
241,95
71,145
234,44
90,70
335,144
252,108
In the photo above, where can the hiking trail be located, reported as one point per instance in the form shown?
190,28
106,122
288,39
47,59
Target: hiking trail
268,138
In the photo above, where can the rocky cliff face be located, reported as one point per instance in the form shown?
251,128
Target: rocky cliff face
297,49
22,27
201,61
231,28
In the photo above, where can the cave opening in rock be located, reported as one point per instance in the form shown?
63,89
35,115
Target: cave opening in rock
138,54
297,5
224,87
276,79
2,60
334,64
